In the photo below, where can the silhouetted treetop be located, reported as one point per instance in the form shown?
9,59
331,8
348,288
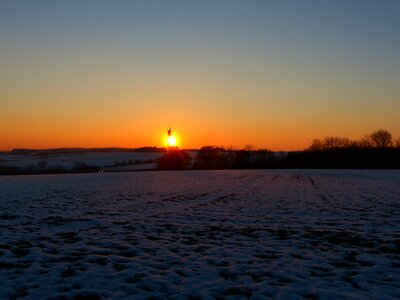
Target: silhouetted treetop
381,138
330,142
397,143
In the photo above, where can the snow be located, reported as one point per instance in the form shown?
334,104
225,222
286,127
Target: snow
287,234
70,160
138,167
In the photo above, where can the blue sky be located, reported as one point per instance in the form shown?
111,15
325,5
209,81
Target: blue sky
238,66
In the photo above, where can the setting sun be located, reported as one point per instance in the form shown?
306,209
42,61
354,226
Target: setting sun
171,141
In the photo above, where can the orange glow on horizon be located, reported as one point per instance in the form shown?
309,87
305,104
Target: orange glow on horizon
119,130
123,82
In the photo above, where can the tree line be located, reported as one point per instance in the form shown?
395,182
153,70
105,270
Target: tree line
378,139
216,157
377,150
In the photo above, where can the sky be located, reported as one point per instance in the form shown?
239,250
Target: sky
273,74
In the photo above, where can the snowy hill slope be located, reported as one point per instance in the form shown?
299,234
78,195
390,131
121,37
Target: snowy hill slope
71,160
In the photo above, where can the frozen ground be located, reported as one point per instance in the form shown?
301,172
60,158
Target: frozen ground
201,234
70,160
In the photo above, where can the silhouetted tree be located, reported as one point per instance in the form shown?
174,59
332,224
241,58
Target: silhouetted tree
174,159
230,156
397,143
248,147
333,142
371,151
242,159
329,143
316,145
260,158
381,138
365,142
211,157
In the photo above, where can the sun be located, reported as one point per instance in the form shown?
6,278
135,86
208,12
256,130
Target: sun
171,141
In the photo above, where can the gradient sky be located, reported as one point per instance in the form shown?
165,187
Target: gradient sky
273,74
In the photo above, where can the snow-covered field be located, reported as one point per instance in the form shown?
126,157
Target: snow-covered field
287,234
70,160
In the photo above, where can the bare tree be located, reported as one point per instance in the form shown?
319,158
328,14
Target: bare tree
381,138
365,141
249,147
330,143
316,145
333,142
